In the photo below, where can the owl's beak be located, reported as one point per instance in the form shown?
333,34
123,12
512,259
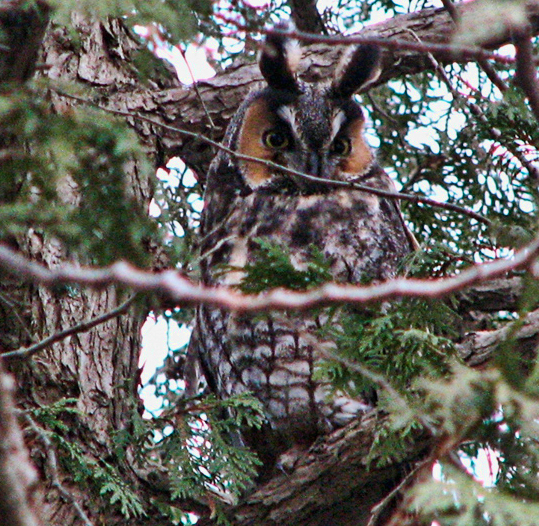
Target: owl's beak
313,164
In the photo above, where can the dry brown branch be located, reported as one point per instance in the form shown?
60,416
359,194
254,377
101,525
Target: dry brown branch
459,53
181,290
478,347
526,75
306,16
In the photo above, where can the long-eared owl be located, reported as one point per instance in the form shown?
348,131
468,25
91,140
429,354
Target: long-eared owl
315,129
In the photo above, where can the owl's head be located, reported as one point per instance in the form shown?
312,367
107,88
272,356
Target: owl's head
311,128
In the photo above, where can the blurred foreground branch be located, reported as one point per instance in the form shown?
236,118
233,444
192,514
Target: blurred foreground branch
184,292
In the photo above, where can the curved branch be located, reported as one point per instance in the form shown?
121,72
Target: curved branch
184,292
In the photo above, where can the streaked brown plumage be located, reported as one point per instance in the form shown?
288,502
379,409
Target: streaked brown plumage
318,130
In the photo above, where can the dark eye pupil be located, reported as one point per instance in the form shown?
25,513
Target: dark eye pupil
341,146
275,139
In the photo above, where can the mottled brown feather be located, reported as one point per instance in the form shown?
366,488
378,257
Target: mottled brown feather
362,236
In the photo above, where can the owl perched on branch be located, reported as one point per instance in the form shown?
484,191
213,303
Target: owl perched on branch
315,129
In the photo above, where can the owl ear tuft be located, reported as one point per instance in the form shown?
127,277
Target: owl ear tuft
279,60
359,67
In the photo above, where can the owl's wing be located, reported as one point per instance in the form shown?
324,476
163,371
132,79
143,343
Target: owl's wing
193,375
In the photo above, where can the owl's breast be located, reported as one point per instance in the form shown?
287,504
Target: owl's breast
275,356
362,236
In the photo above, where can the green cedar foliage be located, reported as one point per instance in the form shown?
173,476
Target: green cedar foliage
272,268
189,444
480,410
402,342
57,156
104,480
192,444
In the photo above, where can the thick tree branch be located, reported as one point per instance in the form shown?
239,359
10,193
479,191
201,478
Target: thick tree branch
333,483
478,347
493,296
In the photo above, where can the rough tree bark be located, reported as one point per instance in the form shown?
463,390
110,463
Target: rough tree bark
99,368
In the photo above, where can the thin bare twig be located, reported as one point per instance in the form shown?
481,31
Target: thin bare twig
184,292
455,51
526,75
195,87
381,506
414,198
25,353
52,464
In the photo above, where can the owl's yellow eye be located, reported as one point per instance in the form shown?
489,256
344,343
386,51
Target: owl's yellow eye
341,146
275,139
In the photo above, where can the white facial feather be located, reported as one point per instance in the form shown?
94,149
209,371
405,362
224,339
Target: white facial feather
288,114
336,123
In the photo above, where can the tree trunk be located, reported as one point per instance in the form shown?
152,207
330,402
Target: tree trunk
97,368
